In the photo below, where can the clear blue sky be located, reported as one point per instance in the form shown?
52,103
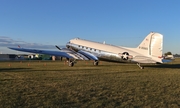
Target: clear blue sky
45,23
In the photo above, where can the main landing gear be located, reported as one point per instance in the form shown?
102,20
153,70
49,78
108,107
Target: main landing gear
141,67
71,63
96,62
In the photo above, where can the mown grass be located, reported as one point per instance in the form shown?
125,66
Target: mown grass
53,84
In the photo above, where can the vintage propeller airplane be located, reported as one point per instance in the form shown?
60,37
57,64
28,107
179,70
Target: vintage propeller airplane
149,51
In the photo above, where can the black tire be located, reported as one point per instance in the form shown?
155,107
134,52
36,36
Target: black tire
71,64
96,63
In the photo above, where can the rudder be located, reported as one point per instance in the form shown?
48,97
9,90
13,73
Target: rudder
152,45
156,46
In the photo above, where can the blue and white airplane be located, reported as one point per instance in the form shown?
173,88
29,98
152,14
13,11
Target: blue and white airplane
149,51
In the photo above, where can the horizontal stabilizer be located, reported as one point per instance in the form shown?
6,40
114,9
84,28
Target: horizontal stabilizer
143,59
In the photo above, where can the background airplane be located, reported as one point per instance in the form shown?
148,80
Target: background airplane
149,51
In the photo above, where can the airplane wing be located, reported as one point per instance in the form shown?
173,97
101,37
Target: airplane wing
82,55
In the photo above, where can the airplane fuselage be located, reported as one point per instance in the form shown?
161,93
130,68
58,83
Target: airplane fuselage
102,51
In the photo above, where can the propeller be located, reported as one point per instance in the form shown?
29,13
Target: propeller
58,47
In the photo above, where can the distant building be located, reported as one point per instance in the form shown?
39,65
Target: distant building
169,57
28,57
56,58
8,57
176,56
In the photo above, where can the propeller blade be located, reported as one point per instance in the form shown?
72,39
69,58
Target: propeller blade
58,47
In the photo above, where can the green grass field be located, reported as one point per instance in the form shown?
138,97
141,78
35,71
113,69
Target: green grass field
54,84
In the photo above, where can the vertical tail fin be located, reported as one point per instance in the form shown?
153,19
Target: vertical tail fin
152,45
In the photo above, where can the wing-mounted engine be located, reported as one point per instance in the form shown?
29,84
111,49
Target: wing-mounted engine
79,55
88,55
73,54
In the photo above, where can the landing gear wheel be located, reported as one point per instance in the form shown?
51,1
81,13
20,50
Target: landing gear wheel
71,64
142,67
96,63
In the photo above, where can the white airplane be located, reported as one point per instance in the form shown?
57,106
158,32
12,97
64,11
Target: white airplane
149,51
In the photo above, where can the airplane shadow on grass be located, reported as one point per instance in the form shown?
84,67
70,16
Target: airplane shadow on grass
14,69
36,70
172,66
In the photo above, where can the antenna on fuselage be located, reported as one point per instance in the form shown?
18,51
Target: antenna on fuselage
104,42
